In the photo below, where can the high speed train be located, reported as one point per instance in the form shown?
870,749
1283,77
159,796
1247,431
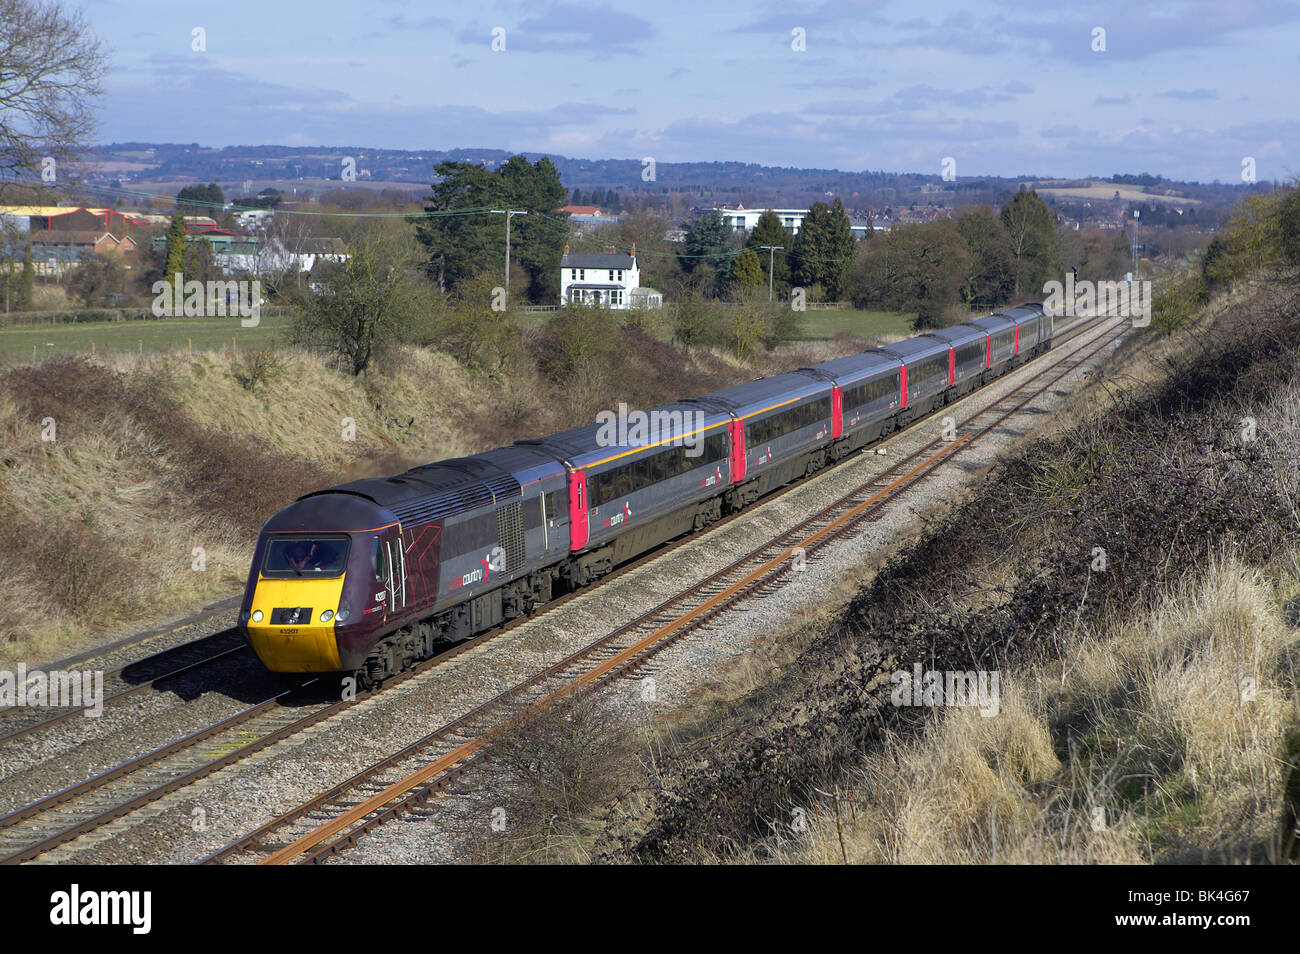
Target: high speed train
366,578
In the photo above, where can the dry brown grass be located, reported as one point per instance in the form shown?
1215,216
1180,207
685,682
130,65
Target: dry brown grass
553,774
49,297
1148,723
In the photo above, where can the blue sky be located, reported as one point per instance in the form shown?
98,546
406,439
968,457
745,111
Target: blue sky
1186,89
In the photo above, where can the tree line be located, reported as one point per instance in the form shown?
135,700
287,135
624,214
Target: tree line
978,260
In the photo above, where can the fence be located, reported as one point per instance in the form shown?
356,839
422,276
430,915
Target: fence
22,319
808,305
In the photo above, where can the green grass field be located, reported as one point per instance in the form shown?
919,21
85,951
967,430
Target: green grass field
24,343
201,334
823,325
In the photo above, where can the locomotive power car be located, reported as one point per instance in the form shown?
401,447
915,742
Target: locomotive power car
366,578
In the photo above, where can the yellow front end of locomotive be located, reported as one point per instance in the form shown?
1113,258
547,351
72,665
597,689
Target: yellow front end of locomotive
285,626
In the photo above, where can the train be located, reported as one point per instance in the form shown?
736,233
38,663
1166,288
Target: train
369,577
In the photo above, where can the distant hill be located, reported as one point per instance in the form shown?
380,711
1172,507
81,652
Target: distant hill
137,165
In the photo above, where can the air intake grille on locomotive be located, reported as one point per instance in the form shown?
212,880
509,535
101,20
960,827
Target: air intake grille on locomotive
510,531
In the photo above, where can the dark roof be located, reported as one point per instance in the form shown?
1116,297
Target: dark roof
597,260
993,323
960,334
65,237
852,366
753,396
1022,313
323,246
581,446
914,349
323,268
434,490
326,512
49,253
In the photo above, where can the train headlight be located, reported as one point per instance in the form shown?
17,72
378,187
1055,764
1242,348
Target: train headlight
343,615
257,616
326,616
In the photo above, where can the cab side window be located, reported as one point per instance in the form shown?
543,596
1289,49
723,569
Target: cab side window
377,562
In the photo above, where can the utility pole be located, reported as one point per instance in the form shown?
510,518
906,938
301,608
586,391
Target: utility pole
1137,214
507,213
771,258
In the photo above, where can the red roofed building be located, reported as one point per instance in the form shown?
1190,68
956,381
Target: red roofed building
582,209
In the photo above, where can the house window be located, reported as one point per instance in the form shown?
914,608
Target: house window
582,274
611,274
616,297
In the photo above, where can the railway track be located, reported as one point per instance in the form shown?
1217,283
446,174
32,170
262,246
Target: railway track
129,680
334,820
98,803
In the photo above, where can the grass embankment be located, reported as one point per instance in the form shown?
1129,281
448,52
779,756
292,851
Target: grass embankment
1148,708
1165,738
163,463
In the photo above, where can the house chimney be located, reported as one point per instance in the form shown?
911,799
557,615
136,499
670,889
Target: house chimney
634,249
566,248
609,250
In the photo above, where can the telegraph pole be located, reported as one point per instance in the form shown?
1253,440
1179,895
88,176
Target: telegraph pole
771,258
507,213
1137,214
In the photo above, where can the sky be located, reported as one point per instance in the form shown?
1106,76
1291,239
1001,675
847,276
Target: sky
1189,89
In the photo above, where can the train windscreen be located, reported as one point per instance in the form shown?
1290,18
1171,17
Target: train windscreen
314,556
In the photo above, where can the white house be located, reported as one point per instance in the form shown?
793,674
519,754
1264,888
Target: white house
608,279
272,256
742,219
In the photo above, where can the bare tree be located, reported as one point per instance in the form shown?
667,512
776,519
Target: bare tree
374,297
287,237
50,67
